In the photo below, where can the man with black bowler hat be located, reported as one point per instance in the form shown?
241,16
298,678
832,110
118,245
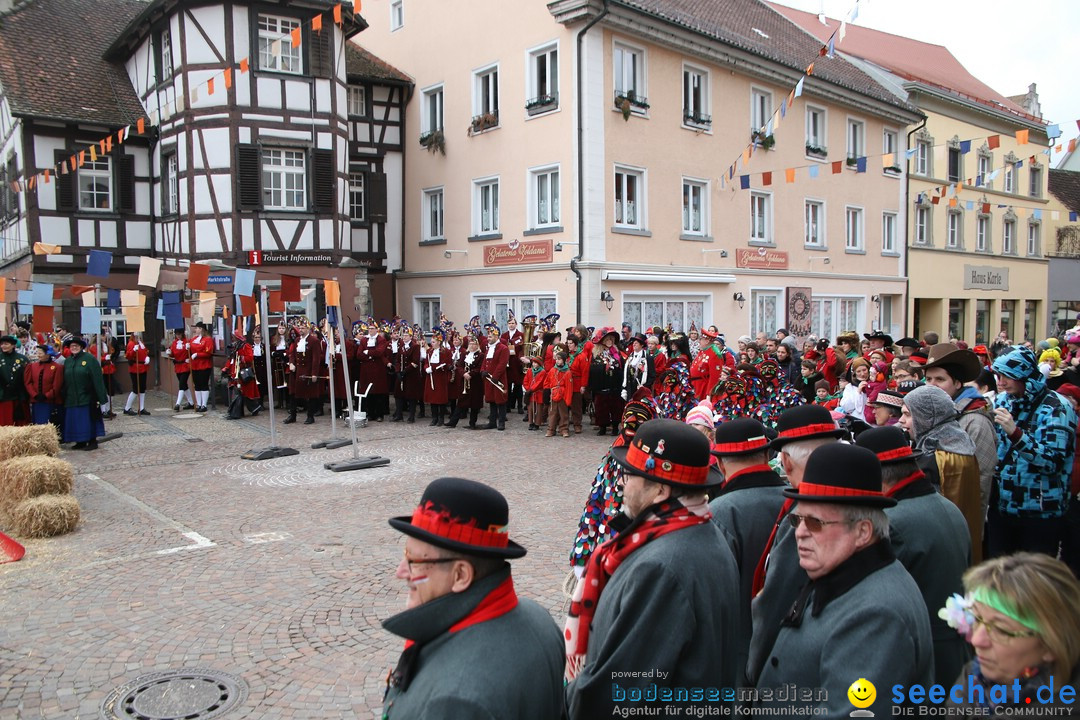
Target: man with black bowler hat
473,648
861,615
746,505
661,597
929,536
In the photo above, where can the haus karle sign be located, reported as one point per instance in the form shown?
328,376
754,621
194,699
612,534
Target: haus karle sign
986,277
518,253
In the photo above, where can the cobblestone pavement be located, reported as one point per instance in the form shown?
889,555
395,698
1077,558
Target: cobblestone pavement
278,572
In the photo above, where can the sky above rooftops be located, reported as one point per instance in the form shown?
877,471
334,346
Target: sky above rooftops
1007,45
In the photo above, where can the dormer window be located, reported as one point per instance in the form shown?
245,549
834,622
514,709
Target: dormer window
276,51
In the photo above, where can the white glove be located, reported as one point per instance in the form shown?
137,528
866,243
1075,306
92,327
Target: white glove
146,361
187,346
428,371
108,357
624,395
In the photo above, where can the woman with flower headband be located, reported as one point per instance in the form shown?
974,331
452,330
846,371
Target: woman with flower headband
1021,614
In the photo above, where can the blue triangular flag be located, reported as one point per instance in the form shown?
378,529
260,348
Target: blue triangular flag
969,205
783,108
41,293
170,297
744,182
1053,131
799,87
99,263
813,171
174,316
160,309
860,165
114,299
1037,214
244,282
1018,165
91,321
26,302
1072,216
965,147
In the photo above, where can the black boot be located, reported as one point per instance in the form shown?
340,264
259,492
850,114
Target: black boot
421,404
310,416
602,430
454,417
398,407
434,416
501,409
493,415
412,412
292,412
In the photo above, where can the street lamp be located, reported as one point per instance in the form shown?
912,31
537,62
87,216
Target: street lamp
739,298
607,299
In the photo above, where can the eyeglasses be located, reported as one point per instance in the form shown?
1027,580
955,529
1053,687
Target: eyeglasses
813,524
998,634
424,561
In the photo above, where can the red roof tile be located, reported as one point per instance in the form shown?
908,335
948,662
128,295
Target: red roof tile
362,64
1065,186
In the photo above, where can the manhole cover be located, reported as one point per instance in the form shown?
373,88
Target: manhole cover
193,694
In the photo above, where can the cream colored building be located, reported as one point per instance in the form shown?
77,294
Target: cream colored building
977,197
584,147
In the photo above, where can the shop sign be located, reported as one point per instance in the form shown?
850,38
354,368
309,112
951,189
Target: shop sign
986,277
518,253
293,257
761,258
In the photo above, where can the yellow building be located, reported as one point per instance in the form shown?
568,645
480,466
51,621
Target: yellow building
977,196
1063,250
577,150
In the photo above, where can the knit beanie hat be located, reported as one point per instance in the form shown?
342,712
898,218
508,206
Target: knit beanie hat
822,385
701,414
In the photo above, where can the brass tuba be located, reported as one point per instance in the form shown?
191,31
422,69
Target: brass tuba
529,347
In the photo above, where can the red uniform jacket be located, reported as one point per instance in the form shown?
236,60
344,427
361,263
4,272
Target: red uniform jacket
561,384
340,391
495,360
660,363
706,369
472,385
178,351
201,353
514,343
579,370
107,365
457,383
44,382
437,376
305,382
137,355
534,383
373,355
243,358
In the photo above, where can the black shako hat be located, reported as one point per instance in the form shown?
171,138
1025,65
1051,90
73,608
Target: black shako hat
464,516
889,443
805,422
742,436
670,452
842,474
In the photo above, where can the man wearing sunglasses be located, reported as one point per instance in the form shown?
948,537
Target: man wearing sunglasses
469,638
861,615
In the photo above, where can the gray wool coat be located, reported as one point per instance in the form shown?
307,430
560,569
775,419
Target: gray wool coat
930,539
509,667
745,509
672,606
876,628
783,579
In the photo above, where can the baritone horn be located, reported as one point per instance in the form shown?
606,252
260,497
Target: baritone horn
529,347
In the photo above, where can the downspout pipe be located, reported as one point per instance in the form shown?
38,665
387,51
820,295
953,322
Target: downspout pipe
581,162
907,201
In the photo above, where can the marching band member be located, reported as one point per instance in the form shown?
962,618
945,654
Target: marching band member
201,362
305,365
240,372
340,355
373,353
471,398
110,347
279,361
493,371
437,368
457,383
138,357
514,341
178,351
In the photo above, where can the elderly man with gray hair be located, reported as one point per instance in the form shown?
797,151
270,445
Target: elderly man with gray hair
861,616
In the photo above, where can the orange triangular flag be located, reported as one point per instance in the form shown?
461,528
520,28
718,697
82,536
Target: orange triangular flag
3,289
337,13
1022,137
993,142
210,86
887,160
837,167
244,65
120,134
356,7
316,23
228,78
140,126
1072,145
82,157
952,202
93,153
48,174
1057,148
986,208
746,155
31,182
810,69
789,175
295,34
766,179
73,162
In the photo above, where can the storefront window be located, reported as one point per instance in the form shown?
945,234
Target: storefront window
982,321
1063,315
1008,318
957,319
1030,308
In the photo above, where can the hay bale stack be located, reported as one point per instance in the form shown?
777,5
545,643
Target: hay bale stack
45,516
28,477
28,440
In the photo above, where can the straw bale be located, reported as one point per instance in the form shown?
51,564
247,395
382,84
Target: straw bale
45,516
28,477
28,440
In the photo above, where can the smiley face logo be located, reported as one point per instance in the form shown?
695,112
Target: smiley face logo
862,693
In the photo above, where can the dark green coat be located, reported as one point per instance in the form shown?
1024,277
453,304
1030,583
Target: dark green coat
930,538
83,383
783,580
673,606
12,366
507,667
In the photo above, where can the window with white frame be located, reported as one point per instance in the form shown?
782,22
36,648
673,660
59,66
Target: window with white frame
357,211
284,179
760,109
985,164
680,311
629,68
1033,239
543,79
397,14
982,233
358,101
829,316
95,184
1008,237
695,199
954,225
922,158
1010,178
486,206
760,217
854,230
486,95
172,186
856,139
166,54
816,140
432,117
815,224
629,198
956,164
695,96
1035,182
544,203
923,228
433,214
276,51
888,232
890,142
499,306
765,308
428,310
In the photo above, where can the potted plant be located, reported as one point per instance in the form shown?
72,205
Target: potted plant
541,104
852,161
815,151
433,141
484,121
894,169
627,101
693,117
759,138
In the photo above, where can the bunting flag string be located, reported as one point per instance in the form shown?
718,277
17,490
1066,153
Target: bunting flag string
104,145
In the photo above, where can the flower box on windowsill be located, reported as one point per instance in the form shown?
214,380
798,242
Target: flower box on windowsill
697,119
483,122
762,140
433,141
894,170
817,152
852,162
627,103
542,104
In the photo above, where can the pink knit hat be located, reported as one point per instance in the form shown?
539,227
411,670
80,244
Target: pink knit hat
701,414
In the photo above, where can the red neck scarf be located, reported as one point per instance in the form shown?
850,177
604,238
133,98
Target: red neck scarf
662,519
913,477
759,571
498,602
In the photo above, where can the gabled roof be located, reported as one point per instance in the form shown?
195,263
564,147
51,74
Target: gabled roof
911,59
754,26
52,66
1065,186
362,65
